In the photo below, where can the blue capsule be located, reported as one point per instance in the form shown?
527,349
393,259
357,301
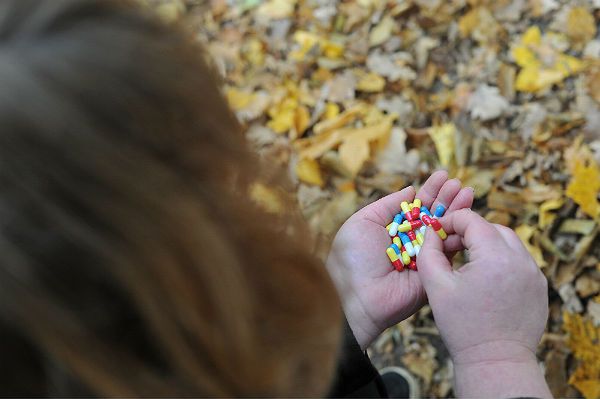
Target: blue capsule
426,211
410,249
439,211
398,218
395,248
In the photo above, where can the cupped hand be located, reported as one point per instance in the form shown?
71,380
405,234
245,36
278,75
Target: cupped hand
375,296
491,312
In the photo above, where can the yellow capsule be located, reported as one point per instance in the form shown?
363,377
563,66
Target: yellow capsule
404,227
405,207
442,234
405,258
388,226
391,254
396,240
417,203
420,238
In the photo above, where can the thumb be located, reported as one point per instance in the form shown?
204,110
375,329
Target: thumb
432,263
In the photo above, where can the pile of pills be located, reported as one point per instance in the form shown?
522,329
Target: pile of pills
408,232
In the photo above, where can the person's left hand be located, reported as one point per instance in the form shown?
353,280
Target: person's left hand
375,296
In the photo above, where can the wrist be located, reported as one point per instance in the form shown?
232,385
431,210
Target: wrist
499,369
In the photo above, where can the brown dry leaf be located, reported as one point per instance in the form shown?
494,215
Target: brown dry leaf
382,31
308,171
581,26
353,154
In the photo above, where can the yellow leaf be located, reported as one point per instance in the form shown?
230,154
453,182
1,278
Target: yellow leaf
542,65
468,22
584,341
308,171
331,111
276,9
581,26
525,233
443,137
585,186
546,216
353,154
371,83
301,120
532,36
341,120
382,32
239,99
267,198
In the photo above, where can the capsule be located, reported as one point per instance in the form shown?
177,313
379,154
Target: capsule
423,230
410,249
426,219
420,237
388,227
393,230
439,211
412,265
415,213
417,249
405,257
396,249
437,226
406,211
396,240
424,210
417,203
412,236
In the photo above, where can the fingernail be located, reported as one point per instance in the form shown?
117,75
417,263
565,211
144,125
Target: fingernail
471,188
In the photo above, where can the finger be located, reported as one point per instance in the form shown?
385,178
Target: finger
431,187
453,244
472,228
464,199
434,268
383,210
447,194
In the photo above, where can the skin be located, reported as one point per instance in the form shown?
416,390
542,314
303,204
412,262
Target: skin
491,313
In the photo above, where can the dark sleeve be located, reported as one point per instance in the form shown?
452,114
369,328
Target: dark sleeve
355,377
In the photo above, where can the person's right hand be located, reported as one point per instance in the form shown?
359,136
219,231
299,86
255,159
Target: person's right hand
491,313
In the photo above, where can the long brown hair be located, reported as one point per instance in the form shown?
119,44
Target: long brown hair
132,261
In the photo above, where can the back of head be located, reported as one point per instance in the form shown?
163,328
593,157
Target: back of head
131,260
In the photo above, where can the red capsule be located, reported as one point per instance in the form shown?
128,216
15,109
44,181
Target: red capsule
426,219
411,234
398,265
415,213
436,224
415,224
412,265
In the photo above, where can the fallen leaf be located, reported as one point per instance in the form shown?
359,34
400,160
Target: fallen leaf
371,83
581,26
486,103
584,341
353,154
526,233
381,32
546,217
585,186
443,137
308,171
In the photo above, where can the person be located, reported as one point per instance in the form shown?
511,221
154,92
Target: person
135,263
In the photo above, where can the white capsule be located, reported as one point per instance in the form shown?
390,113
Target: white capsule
393,229
410,249
417,249
423,230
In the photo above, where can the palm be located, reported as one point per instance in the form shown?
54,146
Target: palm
358,259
